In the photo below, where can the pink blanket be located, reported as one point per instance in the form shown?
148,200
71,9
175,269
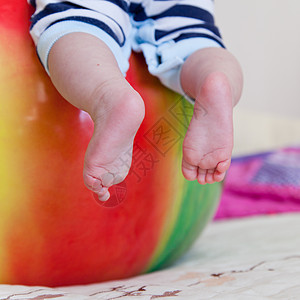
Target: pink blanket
265,183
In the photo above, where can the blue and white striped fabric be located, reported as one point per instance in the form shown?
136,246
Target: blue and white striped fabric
167,31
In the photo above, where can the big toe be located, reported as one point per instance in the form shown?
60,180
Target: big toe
104,197
189,171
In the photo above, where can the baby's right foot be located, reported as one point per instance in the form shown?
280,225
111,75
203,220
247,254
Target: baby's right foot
117,118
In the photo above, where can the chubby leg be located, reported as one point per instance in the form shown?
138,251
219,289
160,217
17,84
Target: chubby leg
213,77
85,72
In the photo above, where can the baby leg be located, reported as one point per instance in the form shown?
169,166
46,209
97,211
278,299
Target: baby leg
85,72
212,77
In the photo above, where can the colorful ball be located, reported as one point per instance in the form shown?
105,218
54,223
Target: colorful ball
52,230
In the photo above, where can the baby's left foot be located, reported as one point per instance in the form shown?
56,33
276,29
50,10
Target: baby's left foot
208,143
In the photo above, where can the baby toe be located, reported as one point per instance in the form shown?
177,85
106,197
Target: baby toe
223,166
219,176
92,183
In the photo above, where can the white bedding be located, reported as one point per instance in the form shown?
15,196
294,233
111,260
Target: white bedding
251,258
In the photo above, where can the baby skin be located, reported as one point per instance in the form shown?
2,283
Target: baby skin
85,72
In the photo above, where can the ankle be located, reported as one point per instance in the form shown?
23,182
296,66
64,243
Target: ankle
102,98
203,63
119,96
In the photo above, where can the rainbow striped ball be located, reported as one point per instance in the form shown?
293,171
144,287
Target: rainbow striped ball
52,231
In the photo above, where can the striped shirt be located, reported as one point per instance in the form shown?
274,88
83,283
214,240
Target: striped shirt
151,26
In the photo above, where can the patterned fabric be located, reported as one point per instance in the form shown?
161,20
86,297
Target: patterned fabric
262,184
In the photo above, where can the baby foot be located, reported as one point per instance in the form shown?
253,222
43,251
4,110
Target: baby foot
208,143
116,120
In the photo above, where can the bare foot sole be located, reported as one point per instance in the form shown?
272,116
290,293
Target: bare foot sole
208,143
116,121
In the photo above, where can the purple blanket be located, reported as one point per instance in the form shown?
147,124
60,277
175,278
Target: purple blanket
265,183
